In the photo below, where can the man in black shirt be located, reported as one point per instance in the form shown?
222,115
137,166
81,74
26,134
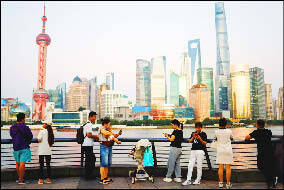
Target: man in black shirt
265,159
199,141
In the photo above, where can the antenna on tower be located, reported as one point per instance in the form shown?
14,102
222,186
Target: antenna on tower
44,8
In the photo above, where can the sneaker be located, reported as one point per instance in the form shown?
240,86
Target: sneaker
196,182
108,179
17,181
104,182
21,182
177,180
167,180
221,184
229,186
40,181
186,182
47,180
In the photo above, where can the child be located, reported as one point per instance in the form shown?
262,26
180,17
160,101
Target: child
46,140
199,141
111,137
265,159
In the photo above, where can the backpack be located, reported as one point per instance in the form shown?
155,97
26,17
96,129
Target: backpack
80,135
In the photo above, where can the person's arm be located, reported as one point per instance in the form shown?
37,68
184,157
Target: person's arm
248,137
119,133
29,132
106,133
89,132
191,138
201,140
172,138
39,137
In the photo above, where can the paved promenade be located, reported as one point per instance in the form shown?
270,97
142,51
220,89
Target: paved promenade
125,183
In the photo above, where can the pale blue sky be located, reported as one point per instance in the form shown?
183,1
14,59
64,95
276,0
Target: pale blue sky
92,38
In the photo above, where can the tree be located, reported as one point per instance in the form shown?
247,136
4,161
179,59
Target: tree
81,108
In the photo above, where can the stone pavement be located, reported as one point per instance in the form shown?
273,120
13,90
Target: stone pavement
125,183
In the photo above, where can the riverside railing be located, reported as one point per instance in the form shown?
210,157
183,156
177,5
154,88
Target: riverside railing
67,152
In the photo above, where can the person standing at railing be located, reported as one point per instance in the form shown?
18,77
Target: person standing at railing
106,149
87,146
45,142
265,158
224,154
175,151
21,138
199,141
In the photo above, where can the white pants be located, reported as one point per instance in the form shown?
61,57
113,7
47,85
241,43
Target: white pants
198,156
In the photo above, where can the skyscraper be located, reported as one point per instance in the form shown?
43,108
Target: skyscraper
280,105
109,102
158,81
205,76
93,104
195,59
174,88
40,95
240,90
77,95
182,91
110,80
199,100
62,93
222,80
54,96
186,69
257,93
268,101
143,83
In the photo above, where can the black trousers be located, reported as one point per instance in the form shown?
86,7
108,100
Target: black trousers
266,164
90,160
41,162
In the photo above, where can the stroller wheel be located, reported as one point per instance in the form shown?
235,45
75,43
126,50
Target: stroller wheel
133,180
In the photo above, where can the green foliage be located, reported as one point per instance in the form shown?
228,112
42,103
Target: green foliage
275,122
81,108
189,121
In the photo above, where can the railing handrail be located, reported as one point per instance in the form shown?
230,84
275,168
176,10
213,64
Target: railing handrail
185,140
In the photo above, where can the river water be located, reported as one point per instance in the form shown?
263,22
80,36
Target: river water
71,151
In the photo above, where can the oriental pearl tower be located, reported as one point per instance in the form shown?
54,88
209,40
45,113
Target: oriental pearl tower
40,95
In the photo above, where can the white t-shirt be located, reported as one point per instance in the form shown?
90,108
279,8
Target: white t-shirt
43,146
88,128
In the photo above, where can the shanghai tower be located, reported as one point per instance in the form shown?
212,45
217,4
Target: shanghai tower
222,80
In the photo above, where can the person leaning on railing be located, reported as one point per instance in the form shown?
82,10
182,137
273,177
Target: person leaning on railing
265,154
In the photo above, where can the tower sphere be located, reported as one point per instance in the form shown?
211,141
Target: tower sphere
44,19
43,37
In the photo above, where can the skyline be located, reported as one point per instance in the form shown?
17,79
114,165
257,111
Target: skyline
92,36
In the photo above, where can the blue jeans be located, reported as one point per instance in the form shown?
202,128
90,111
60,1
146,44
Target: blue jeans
105,156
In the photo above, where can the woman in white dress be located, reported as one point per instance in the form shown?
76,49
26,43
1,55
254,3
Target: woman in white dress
224,151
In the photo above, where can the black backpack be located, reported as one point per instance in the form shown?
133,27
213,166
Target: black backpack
80,135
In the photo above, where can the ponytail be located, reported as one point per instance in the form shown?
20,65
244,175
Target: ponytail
181,126
50,135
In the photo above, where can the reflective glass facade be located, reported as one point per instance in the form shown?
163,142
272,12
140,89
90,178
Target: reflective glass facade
174,88
143,83
195,59
183,92
110,80
205,76
184,113
222,80
93,90
240,90
66,117
257,93
158,81
54,96
61,88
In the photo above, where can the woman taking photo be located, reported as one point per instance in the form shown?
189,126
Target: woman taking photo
45,142
175,151
224,151
106,144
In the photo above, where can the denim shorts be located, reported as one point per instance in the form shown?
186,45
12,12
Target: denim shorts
23,155
105,156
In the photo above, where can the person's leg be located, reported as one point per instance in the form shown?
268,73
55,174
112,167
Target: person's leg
21,171
109,160
48,159
41,163
177,164
199,160
228,173
220,172
18,170
104,161
191,163
171,162
88,164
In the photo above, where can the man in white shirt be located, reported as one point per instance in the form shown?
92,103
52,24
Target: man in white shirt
87,146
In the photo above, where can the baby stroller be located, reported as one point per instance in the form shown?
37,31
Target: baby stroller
144,157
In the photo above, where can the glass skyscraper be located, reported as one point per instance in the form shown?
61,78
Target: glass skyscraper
54,96
174,88
257,93
268,102
93,89
205,76
195,59
183,92
110,80
240,87
158,81
61,88
222,80
143,83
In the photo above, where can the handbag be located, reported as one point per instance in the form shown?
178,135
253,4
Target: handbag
148,158
213,144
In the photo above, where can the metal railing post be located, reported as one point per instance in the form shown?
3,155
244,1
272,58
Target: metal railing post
154,154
